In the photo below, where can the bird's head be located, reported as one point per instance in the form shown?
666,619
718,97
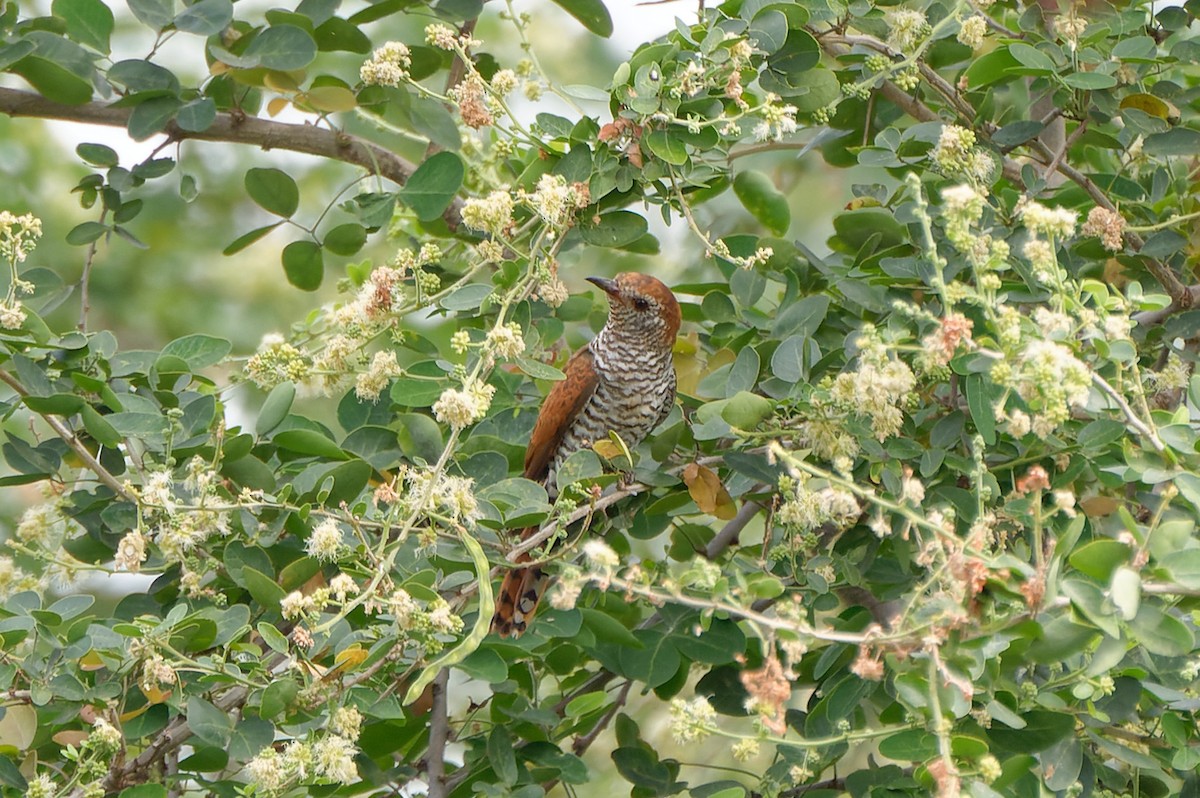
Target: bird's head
640,306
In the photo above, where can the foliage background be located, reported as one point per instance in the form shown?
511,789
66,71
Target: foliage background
927,523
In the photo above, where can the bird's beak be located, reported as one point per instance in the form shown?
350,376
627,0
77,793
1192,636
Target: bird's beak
608,286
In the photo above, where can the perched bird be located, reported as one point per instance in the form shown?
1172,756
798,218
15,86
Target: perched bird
622,382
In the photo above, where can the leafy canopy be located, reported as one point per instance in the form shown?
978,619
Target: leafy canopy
923,521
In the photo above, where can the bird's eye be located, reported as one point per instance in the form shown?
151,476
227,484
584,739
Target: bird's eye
641,304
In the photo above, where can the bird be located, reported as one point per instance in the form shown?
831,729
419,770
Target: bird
623,381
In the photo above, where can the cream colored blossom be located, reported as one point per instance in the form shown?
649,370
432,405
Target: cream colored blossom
906,26
973,32
371,383
691,720
325,542
388,65
461,408
1108,226
131,552
18,235
506,340
492,214
12,315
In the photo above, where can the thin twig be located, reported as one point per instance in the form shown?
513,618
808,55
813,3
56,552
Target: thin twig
85,304
582,744
729,533
71,439
439,731
1130,416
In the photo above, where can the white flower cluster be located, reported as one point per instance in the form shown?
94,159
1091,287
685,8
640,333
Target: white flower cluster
777,120
505,340
691,720
1051,380
388,65
325,541
180,512
328,760
878,388
973,31
906,27
18,235
556,200
957,155
806,509
461,408
277,361
491,214
371,383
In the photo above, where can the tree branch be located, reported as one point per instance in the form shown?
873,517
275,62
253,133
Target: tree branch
71,439
729,533
236,129
439,732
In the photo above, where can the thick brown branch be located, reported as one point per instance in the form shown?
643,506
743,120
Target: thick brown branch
235,129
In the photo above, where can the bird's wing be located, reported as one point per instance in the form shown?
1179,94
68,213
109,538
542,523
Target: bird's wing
560,408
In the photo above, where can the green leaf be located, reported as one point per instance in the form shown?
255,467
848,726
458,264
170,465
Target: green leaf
138,75
979,402
614,229
745,410
1099,558
156,14
246,239
1126,592
275,408
283,47
668,146
345,239
539,370
469,297
86,233
1042,729
308,442
592,14
765,203
802,318
208,723
97,154
1035,61
145,791
1184,568
263,589
100,430
501,754
434,185
1016,133
304,265
197,115
199,351
272,637
1161,633
586,704
53,81
1177,141
89,22
205,18
274,190
1089,81
279,695
151,116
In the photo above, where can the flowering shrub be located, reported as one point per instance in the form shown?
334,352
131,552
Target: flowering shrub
922,523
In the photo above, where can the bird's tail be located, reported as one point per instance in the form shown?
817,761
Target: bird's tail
517,600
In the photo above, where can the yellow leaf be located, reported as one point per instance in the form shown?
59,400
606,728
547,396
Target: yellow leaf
1096,506
73,737
91,661
156,695
1154,106
349,658
18,726
707,492
133,713
606,449
276,105
280,81
330,99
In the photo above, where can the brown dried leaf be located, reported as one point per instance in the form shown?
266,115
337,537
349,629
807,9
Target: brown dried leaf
707,492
